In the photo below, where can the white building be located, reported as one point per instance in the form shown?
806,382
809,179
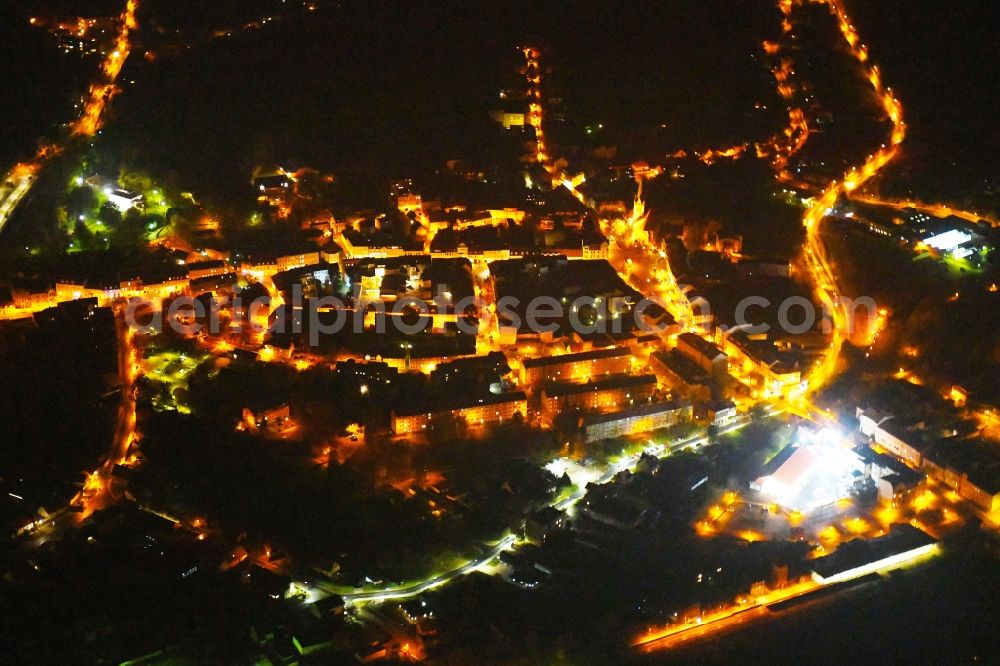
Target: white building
124,200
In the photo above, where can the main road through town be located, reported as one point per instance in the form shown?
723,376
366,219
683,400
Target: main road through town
816,260
16,184
18,181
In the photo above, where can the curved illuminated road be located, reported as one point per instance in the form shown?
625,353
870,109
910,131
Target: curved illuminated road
822,273
815,255
16,184
91,119
18,181
97,486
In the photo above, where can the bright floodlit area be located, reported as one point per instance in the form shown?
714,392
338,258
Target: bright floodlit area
816,470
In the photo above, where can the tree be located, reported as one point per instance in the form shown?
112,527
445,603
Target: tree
445,428
84,239
131,232
80,201
109,216
182,225
758,412
309,184
135,181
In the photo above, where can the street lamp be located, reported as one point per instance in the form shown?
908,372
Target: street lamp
407,347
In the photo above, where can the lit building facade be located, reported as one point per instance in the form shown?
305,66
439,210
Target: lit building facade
597,250
874,425
601,395
291,261
490,410
973,474
644,418
577,367
762,360
706,354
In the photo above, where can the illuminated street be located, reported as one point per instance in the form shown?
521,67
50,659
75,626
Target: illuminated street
18,181
361,333
16,184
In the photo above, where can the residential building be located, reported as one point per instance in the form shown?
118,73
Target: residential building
291,261
277,418
707,355
892,478
410,203
890,436
757,357
644,418
272,188
212,267
679,368
508,119
490,409
596,250
615,392
577,367
542,523
124,200
721,412
969,467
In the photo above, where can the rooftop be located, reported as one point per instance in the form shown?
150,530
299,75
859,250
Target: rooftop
680,365
609,384
593,355
862,552
633,412
461,402
703,346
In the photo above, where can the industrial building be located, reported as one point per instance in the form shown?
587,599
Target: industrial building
816,470
859,557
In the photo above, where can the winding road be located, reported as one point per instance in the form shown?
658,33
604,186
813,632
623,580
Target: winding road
19,180
816,260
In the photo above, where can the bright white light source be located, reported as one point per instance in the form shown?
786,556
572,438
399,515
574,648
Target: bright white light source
949,240
961,252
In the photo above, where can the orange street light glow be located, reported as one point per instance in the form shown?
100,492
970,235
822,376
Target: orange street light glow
90,120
